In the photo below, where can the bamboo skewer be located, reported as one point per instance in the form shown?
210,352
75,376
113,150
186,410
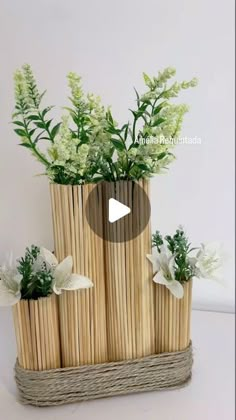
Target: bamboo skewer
33,335
28,334
89,332
144,332
127,273
122,313
21,335
18,337
80,256
137,275
189,312
131,277
112,327
37,330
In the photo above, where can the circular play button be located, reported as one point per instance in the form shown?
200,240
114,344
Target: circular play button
118,211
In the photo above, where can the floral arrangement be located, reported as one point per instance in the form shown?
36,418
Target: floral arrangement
38,275
87,145
176,262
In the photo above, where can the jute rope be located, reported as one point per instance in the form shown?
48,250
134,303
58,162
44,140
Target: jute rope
61,386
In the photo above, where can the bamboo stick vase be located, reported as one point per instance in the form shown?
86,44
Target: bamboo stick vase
128,277
173,319
37,333
82,313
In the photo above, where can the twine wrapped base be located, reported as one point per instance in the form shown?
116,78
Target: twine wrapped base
67,385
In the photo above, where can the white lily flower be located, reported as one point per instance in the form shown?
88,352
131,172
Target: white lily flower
49,257
164,273
64,279
45,259
10,285
209,261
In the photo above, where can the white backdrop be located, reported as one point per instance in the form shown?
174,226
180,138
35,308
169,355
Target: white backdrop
110,43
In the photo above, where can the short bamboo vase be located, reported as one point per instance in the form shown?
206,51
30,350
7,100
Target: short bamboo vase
37,333
173,319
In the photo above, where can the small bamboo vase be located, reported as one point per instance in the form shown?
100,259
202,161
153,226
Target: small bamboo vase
173,319
37,333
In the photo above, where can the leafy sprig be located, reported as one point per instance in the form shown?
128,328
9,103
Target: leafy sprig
180,248
36,281
30,116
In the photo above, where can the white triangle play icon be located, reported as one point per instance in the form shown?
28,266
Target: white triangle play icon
117,210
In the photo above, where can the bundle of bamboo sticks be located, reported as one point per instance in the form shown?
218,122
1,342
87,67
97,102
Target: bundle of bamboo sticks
82,313
128,276
37,333
173,319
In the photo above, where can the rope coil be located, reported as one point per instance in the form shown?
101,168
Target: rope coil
67,385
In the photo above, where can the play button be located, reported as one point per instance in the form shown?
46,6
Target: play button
118,211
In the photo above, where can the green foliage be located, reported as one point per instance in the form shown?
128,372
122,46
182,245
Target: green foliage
180,248
30,115
157,240
36,280
88,145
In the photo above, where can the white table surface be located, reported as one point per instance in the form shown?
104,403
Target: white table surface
209,396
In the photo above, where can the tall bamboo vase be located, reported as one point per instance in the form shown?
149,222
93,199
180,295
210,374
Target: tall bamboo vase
83,312
129,285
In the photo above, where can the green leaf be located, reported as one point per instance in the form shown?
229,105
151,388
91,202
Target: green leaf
48,124
20,132
158,122
137,96
40,124
38,137
21,124
55,130
42,95
46,110
140,111
75,119
143,167
134,145
74,134
162,155
118,144
33,117
159,107
28,145
147,80
109,117
31,132
113,130
126,131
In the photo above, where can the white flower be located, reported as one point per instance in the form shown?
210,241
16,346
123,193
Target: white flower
10,285
209,260
64,279
164,273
